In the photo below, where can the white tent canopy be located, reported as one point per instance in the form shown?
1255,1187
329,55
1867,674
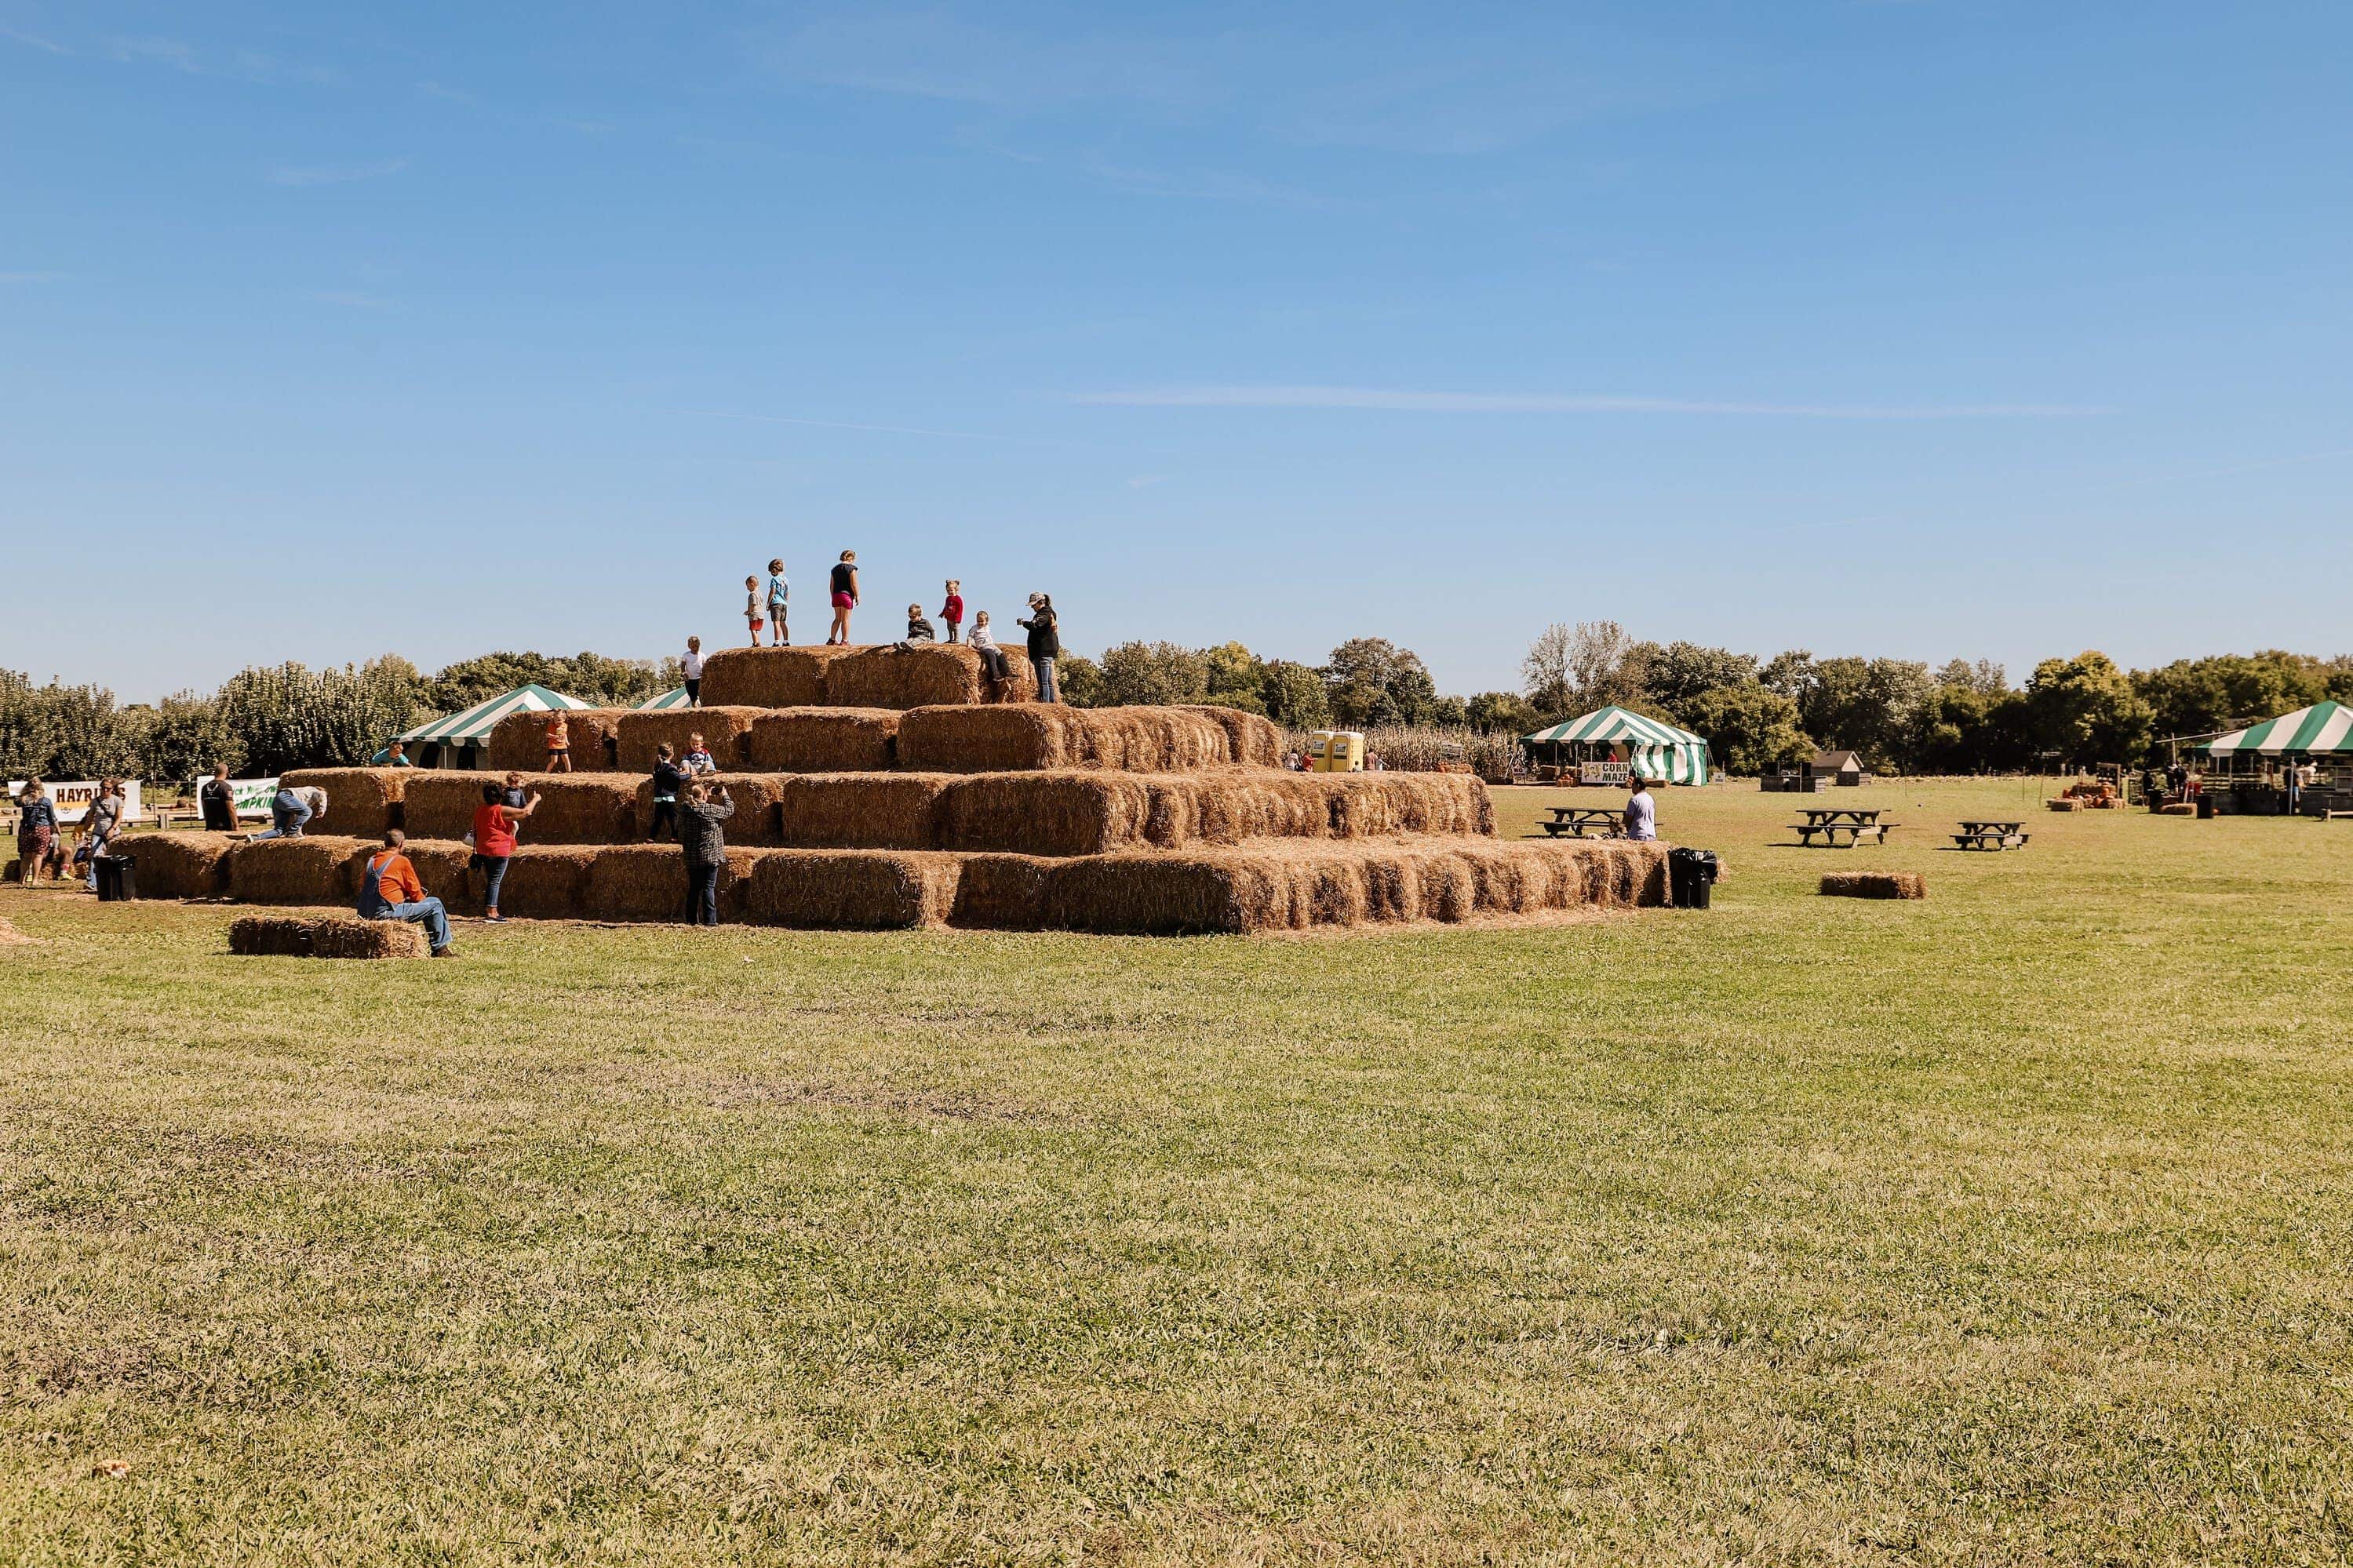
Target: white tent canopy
1654,750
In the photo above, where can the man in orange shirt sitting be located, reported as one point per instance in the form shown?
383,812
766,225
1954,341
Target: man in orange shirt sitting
389,891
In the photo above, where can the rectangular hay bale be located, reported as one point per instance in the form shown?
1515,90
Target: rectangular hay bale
648,882
1025,737
769,677
1253,739
822,741
721,729
852,890
860,811
920,676
518,740
325,936
361,802
574,808
179,865
317,868
756,797
1874,885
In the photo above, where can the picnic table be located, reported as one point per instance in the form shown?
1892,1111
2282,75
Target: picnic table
1977,834
1576,821
1828,822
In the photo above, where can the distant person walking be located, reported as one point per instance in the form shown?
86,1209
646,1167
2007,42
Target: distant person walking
689,669
494,842
36,831
705,848
952,609
389,891
217,798
559,743
992,667
1045,643
1641,821
780,595
845,597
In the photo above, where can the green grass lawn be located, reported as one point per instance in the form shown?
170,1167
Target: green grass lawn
2015,1225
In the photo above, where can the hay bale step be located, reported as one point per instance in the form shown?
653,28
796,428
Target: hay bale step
361,802
769,677
518,740
317,868
923,676
1874,885
822,741
574,808
325,935
193,865
721,727
1026,737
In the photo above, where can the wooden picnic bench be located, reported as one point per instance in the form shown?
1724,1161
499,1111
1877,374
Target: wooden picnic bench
1577,821
1978,834
1828,822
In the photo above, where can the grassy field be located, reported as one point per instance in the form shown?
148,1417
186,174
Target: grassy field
2011,1226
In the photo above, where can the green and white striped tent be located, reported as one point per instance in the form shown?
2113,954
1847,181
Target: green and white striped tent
674,698
457,742
2322,727
1653,750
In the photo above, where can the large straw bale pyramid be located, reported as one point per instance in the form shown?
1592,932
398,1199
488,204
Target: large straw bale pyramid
874,791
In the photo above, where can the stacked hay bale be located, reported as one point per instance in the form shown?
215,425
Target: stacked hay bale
873,791
518,740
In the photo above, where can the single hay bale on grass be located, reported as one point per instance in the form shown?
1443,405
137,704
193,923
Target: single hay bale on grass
574,808
721,729
852,889
648,882
2178,808
316,868
2065,803
822,741
361,802
769,677
921,675
1874,885
180,864
325,936
860,811
1025,737
518,740
1253,739
1002,892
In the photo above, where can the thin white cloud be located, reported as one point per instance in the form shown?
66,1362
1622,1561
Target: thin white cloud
241,65
34,41
32,277
355,300
337,174
1145,481
1411,402
837,425
454,95
152,50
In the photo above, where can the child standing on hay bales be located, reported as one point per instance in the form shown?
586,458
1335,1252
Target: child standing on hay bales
752,608
952,609
670,779
780,594
389,891
1045,643
845,597
705,848
992,667
494,842
689,669
559,743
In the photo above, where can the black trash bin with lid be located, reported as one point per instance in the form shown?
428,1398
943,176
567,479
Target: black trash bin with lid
117,878
1690,875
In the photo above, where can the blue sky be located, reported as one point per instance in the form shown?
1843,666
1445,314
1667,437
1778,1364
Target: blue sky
1928,328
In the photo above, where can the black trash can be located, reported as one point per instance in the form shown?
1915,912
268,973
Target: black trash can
117,878
2205,807
1691,876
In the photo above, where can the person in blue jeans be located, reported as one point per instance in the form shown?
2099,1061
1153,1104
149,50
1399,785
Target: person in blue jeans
700,813
1045,643
289,809
389,891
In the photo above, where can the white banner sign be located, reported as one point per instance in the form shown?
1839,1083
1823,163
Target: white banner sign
72,798
253,795
1601,772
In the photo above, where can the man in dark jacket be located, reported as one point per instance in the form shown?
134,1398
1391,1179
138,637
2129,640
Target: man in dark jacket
704,808
1045,645
218,799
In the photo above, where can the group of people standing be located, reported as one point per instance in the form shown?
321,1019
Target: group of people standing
40,836
766,609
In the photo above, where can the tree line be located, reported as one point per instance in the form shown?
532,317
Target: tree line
1900,715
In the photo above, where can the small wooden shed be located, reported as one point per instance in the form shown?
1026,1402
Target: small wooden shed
1839,767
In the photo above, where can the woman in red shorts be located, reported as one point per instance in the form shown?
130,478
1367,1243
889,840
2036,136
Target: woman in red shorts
845,596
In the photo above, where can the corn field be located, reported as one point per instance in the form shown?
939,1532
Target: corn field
1419,748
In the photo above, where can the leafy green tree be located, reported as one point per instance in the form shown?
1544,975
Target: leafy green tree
2202,696
185,736
1371,680
593,678
1294,696
1749,728
1572,669
1503,712
1237,676
1868,706
1079,679
291,717
1676,675
65,732
2085,710
1153,674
